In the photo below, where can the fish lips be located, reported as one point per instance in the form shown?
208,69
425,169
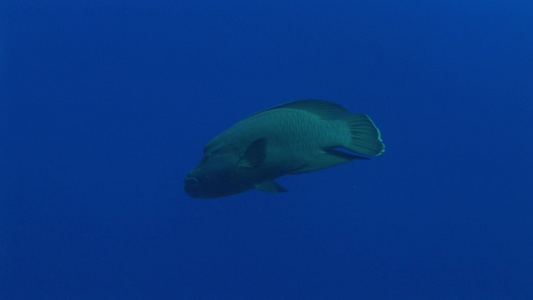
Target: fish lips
197,188
192,187
191,181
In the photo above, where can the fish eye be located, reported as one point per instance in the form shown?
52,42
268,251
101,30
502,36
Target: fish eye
206,156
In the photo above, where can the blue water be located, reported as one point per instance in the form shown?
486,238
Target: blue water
106,105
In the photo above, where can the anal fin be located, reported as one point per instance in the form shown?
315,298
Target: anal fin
328,158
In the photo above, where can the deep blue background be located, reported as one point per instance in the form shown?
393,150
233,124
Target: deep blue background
106,106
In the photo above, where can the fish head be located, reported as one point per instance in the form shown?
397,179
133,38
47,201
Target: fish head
215,176
226,171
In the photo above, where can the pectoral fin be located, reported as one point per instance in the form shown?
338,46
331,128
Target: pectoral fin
254,155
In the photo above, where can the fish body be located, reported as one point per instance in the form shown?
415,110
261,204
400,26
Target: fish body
295,137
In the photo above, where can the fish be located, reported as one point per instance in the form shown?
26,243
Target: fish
292,138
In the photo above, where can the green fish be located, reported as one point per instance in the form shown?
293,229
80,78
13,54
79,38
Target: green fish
291,138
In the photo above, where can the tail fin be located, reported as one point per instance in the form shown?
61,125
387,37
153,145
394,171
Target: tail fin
366,138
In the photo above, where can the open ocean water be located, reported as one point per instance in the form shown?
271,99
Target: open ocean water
106,105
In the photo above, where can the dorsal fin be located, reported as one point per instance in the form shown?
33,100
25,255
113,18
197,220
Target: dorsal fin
324,109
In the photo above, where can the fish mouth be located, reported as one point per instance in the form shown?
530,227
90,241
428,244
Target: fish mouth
192,187
191,181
